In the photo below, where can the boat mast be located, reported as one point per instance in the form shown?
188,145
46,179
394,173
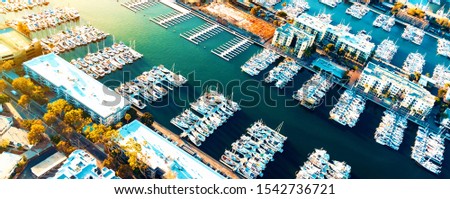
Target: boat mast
278,129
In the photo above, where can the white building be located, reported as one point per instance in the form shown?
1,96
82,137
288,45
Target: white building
8,163
312,25
101,103
164,154
290,37
384,83
356,45
81,165
18,137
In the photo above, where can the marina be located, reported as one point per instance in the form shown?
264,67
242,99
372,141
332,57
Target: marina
150,86
283,73
260,62
390,131
385,22
46,19
69,39
414,63
314,90
250,154
232,48
107,60
202,33
319,166
443,47
413,34
331,3
215,109
348,109
386,50
138,5
357,10
296,8
16,6
171,19
428,150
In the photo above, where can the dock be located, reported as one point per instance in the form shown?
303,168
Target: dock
205,158
137,6
171,19
232,48
202,33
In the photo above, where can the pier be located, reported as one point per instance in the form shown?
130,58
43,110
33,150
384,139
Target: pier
232,48
137,6
202,33
171,19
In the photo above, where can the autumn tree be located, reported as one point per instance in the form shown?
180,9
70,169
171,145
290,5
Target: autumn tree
65,147
36,134
3,85
6,66
75,119
127,118
59,107
125,171
4,143
49,118
147,119
26,124
170,175
24,101
24,85
4,98
99,133
136,158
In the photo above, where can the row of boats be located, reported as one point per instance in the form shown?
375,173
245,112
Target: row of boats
313,91
46,19
386,50
413,34
319,166
385,22
348,109
443,47
295,8
151,86
69,39
215,109
357,10
331,3
260,62
16,6
414,63
390,131
428,150
107,60
250,154
283,73
441,75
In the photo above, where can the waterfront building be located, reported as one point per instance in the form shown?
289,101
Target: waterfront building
312,25
357,47
17,47
101,103
441,75
445,121
8,162
82,165
292,38
160,153
387,85
17,137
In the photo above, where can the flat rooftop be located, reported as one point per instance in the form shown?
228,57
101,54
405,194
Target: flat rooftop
80,86
166,155
330,67
8,162
48,164
12,41
312,22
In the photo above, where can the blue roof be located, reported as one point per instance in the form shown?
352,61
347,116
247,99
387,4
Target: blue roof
330,67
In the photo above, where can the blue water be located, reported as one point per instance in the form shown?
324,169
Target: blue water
305,129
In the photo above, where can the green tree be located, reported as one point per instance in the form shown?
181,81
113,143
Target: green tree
36,134
147,119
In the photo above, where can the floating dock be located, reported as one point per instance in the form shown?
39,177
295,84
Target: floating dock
137,6
232,48
202,33
171,19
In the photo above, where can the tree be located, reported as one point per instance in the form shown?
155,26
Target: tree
284,4
127,117
275,22
4,143
75,119
27,124
4,98
24,101
136,158
65,147
49,118
36,134
255,10
24,85
100,133
170,175
125,171
3,85
147,119
59,107
7,66
23,28
330,47
282,14
262,15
